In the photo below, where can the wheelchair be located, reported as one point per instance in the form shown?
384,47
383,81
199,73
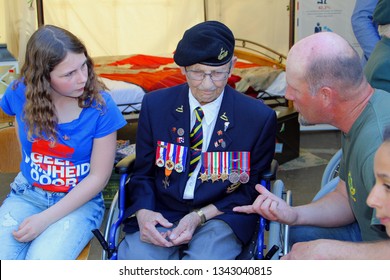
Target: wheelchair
330,177
276,244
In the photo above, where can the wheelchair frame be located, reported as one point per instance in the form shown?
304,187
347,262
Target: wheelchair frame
277,244
332,169
330,177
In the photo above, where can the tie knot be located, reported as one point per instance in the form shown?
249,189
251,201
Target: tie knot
199,113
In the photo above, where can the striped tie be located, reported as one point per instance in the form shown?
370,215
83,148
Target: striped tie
196,140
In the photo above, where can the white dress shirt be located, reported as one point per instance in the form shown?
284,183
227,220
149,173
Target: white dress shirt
210,111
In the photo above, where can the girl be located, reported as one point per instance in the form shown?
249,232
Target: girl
379,197
66,126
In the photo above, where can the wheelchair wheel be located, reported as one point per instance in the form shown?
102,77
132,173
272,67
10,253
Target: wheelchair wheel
112,216
278,233
332,169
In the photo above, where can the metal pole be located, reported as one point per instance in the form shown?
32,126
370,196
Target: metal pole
292,24
41,20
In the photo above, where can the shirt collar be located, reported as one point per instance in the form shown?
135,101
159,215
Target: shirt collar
210,110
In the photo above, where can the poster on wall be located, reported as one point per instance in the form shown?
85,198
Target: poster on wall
325,15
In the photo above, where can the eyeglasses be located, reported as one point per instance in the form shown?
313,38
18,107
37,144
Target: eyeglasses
200,75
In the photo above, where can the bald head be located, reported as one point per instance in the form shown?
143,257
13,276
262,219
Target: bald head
322,43
325,59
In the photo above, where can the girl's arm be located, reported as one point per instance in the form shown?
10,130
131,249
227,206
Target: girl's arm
102,162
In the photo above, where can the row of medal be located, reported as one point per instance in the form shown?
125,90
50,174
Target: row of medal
232,166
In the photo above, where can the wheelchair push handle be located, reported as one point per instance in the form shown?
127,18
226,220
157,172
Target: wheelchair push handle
100,238
125,165
270,174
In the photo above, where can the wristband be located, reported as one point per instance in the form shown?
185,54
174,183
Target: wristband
201,216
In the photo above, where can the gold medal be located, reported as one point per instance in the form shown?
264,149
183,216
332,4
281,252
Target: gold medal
169,164
204,177
224,177
214,177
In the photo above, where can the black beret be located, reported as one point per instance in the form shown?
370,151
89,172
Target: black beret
210,43
382,12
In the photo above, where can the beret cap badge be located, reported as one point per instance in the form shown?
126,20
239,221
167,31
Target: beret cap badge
222,54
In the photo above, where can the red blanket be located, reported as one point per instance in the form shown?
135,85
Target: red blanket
154,72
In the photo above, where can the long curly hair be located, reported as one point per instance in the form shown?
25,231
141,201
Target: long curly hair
47,47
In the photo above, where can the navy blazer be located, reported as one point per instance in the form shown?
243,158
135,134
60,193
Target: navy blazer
252,127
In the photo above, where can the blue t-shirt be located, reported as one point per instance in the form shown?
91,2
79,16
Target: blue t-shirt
63,166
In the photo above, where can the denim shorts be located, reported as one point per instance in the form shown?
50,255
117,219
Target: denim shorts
62,240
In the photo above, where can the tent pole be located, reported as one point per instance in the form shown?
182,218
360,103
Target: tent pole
41,20
292,24
205,10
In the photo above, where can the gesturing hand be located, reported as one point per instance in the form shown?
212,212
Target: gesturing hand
269,206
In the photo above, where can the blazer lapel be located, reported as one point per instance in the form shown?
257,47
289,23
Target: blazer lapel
180,119
221,139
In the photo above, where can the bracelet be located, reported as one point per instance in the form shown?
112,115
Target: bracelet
201,216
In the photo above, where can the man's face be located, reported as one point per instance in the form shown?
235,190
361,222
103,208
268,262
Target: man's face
308,105
207,82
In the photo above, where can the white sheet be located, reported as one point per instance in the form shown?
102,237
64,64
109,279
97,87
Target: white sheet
278,86
125,93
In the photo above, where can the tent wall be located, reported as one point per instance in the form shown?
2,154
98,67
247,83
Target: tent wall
120,27
115,27
2,23
262,21
18,20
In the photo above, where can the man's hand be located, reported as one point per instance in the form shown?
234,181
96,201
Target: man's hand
184,231
147,221
270,207
321,249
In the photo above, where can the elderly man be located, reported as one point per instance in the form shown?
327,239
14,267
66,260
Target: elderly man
201,147
326,83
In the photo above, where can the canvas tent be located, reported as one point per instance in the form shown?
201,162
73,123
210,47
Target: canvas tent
124,27
121,27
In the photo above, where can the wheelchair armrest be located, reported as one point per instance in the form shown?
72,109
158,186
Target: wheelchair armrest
270,174
125,165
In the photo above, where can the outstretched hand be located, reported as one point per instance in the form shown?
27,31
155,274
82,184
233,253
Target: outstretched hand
269,206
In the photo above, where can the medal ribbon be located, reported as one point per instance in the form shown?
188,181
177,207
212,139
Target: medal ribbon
209,159
168,157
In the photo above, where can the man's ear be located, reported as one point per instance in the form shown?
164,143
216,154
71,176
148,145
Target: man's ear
325,94
183,70
234,60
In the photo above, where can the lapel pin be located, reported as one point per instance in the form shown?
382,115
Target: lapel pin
225,126
179,109
223,117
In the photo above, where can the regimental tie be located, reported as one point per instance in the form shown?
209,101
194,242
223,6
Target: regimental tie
196,140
